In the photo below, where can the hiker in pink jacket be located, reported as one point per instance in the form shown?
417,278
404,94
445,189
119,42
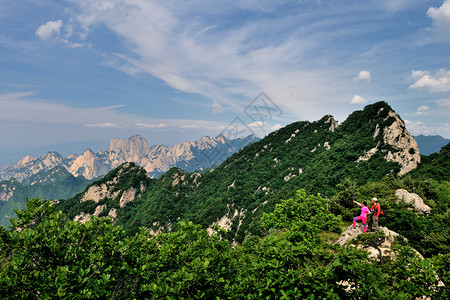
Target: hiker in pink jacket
364,211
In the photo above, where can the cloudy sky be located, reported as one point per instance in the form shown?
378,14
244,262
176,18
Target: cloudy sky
75,73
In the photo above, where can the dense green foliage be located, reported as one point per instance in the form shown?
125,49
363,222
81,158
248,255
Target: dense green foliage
435,166
56,183
48,256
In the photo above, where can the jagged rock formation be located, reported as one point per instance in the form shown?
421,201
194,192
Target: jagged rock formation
413,199
29,165
158,159
404,149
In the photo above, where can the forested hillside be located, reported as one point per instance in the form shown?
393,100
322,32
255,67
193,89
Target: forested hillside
315,156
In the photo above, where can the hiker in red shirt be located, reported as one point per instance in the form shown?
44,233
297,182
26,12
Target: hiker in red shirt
376,211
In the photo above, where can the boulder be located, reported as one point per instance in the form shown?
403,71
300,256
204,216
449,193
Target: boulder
385,248
413,199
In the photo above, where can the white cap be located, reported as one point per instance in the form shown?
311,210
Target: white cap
374,199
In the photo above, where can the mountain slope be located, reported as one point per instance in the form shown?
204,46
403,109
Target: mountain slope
435,166
53,184
315,156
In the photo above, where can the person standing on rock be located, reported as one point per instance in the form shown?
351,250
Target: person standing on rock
376,211
364,211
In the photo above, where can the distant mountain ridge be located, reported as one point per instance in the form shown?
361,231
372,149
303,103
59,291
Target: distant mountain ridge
53,184
429,144
189,155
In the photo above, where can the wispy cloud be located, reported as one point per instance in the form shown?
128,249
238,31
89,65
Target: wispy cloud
422,110
26,107
304,53
195,50
160,125
257,124
103,125
444,104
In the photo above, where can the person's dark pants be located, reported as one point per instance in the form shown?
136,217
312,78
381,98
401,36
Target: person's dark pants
374,224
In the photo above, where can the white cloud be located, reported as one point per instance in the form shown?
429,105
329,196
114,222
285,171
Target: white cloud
416,74
422,110
441,17
257,124
357,99
103,125
160,125
439,82
49,29
363,75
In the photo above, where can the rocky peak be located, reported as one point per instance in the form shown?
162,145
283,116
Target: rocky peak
333,123
389,134
413,199
132,149
406,150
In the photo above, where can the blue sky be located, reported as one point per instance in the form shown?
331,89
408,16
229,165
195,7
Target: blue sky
75,73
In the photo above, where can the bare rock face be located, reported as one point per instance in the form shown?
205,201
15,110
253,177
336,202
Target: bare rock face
97,193
131,149
6,191
109,195
127,197
399,138
333,123
226,221
82,217
414,199
350,234
403,147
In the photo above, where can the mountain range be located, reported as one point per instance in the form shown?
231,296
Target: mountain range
190,155
53,176
315,156
429,144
